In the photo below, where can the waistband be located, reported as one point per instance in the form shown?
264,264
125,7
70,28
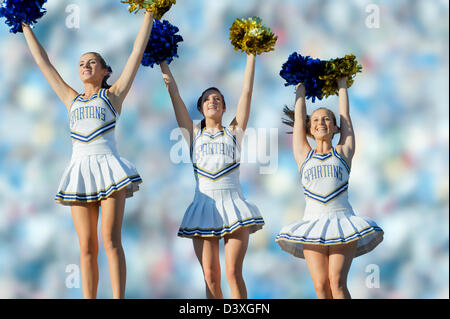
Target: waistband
202,188
79,149
328,213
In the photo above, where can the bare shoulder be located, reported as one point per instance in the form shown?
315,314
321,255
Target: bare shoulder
70,99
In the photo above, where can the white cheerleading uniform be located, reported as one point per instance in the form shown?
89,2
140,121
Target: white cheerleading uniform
329,218
96,170
218,208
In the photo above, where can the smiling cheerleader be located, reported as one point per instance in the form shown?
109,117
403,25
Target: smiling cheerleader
219,209
96,177
329,235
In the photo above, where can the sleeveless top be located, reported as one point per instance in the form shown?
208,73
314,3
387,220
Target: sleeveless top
324,179
216,160
92,123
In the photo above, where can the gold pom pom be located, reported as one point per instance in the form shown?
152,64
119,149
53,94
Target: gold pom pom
338,68
250,36
159,7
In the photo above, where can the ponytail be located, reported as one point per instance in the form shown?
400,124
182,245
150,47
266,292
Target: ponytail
105,84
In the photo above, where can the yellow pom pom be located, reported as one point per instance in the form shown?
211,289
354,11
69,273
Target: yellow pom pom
250,36
159,7
338,68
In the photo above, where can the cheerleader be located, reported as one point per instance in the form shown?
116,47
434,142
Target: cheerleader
97,177
330,235
219,209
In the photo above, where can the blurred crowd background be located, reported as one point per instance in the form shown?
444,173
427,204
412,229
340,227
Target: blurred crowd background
400,176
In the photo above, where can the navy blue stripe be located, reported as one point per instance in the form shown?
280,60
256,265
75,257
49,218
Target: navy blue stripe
84,139
94,134
105,98
215,175
215,232
341,159
199,132
328,241
94,196
233,137
79,98
220,133
322,157
99,194
308,157
325,199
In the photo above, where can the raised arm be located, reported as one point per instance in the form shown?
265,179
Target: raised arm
243,108
64,91
181,112
347,140
300,144
119,90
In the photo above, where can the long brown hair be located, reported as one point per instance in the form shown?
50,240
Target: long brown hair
199,103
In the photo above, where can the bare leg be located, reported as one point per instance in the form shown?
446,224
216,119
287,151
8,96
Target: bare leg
207,252
235,248
112,216
340,260
316,257
85,218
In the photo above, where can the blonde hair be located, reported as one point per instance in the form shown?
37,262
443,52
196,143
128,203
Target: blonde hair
291,117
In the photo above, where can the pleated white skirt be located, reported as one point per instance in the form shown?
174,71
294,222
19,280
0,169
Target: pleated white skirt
218,213
91,178
330,228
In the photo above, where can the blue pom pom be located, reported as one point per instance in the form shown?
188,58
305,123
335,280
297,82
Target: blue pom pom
304,69
18,11
162,45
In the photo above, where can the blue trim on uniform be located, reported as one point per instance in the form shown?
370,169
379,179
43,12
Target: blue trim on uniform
336,154
97,196
320,240
217,174
79,98
325,199
100,131
199,133
233,138
220,231
308,157
103,96
73,101
322,157
213,136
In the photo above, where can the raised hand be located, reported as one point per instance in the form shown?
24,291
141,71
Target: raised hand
300,89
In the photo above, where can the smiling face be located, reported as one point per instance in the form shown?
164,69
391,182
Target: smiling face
91,70
212,104
323,124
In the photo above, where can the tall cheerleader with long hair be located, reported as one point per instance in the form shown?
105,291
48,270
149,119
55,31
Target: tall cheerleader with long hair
96,177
